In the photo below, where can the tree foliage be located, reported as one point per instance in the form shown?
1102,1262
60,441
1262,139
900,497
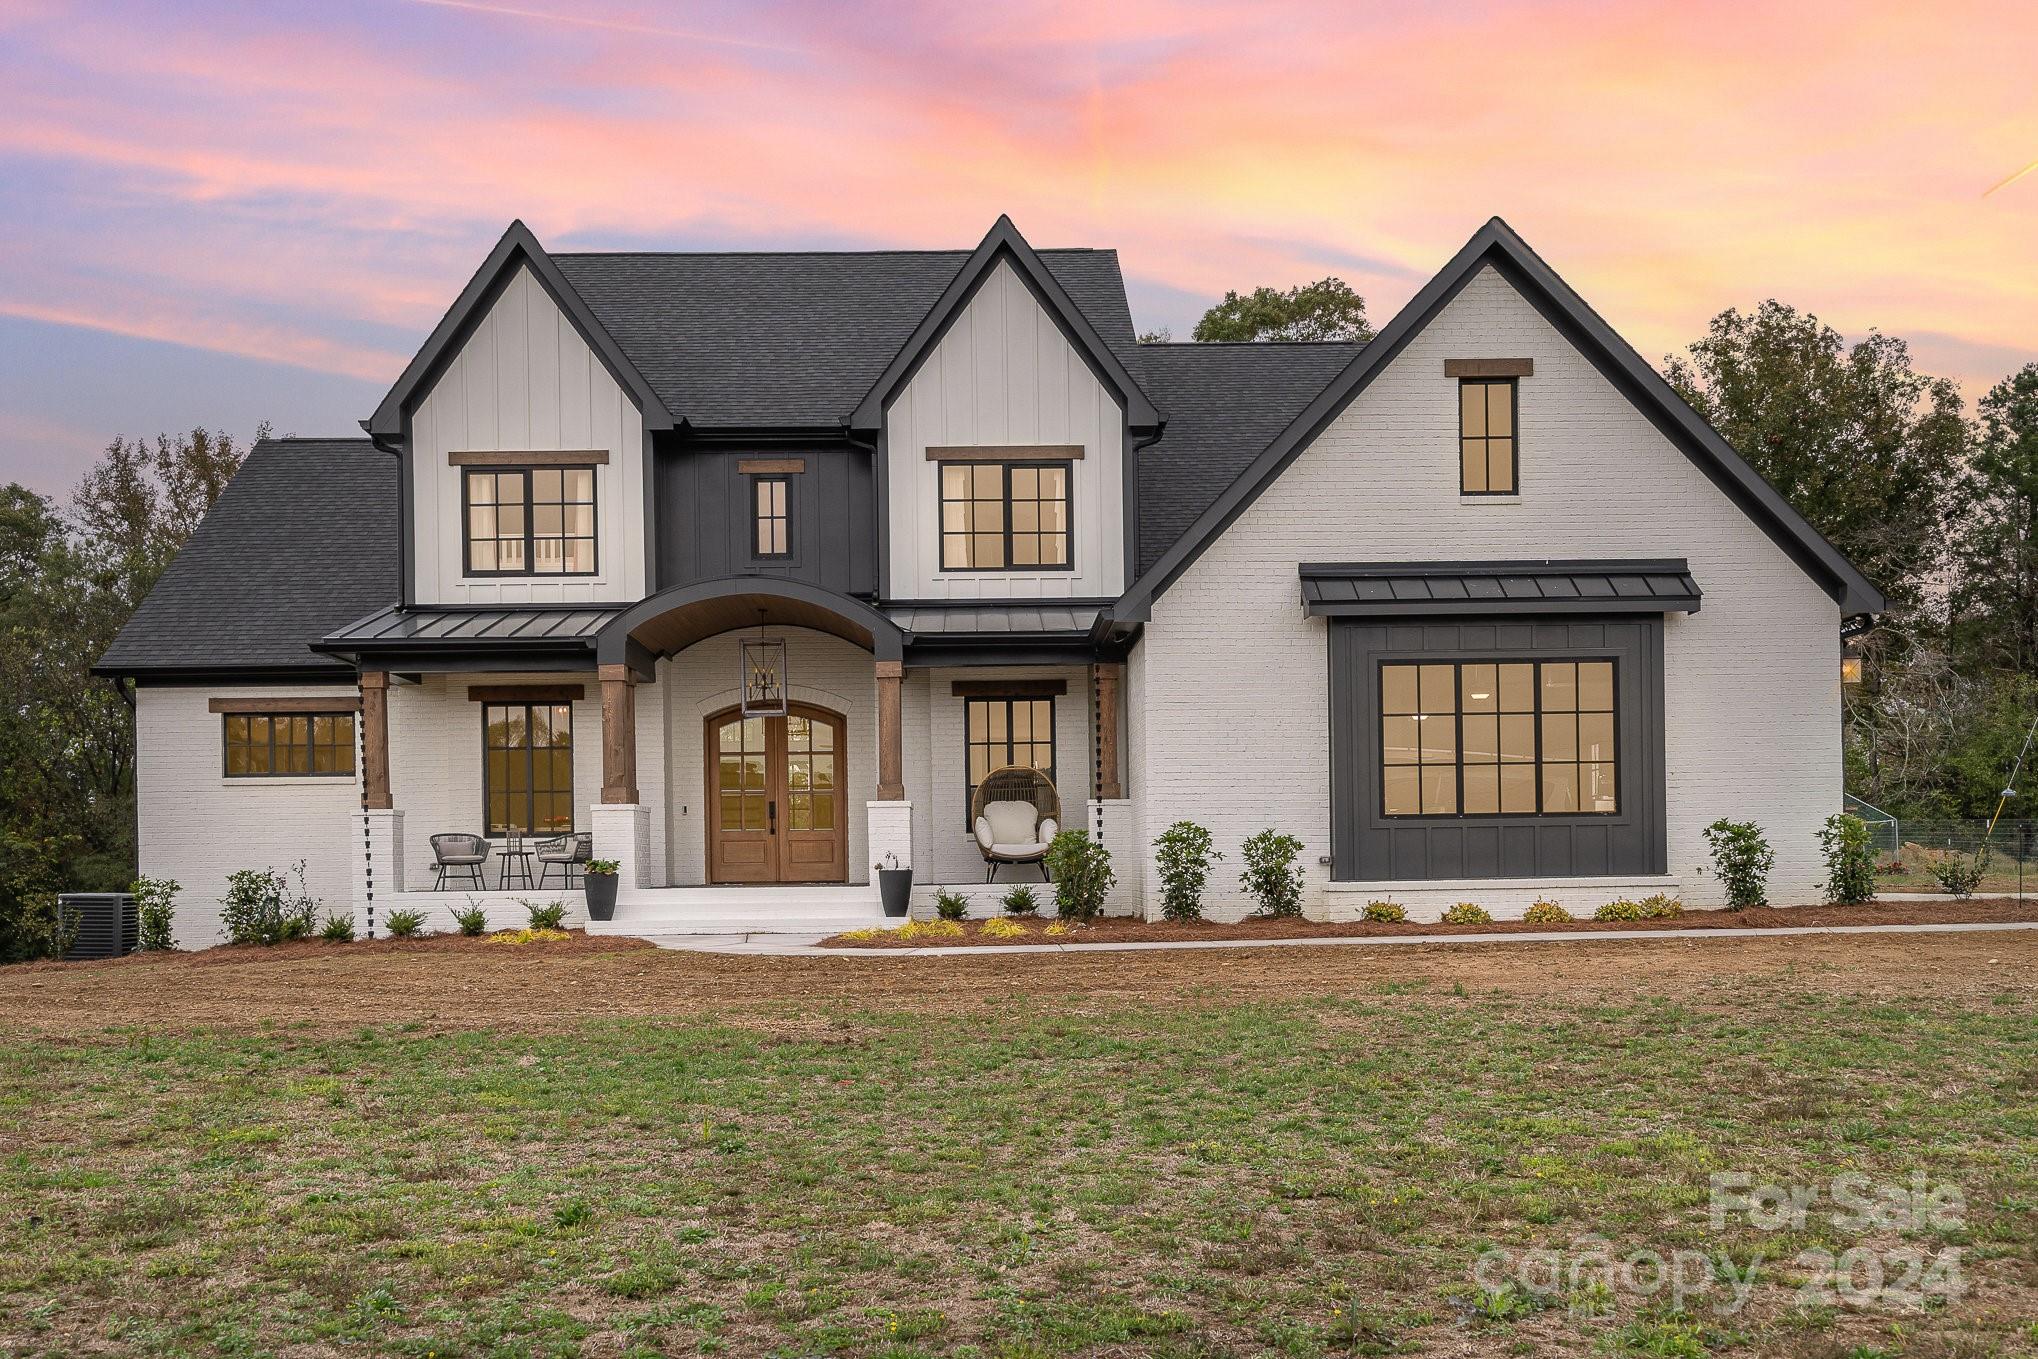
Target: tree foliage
1993,605
1327,309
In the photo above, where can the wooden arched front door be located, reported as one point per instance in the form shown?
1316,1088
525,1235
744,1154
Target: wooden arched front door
778,810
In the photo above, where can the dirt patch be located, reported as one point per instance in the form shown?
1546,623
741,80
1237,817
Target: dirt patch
444,984
1121,930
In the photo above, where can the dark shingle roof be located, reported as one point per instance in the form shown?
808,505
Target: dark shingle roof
302,542
795,339
1225,403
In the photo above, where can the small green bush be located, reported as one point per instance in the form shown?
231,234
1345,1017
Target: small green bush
1542,912
338,929
1182,857
403,924
155,903
1742,857
1021,900
471,919
1622,910
545,915
1661,907
1384,913
1468,913
1082,873
1271,876
950,904
1850,862
260,907
1959,874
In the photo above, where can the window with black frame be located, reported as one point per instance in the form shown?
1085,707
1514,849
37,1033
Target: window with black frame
1498,738
270,745
527,767
1006,731
771,500
999,516
1488,442
528,521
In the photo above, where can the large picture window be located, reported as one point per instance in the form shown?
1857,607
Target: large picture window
528,521
527,767
1005,516
1005,731
1487,439
271,745
1498,738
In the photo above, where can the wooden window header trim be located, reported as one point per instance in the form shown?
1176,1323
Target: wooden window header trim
252,707
1004,452
1489,368
542,457
771,467
1022,688
526,693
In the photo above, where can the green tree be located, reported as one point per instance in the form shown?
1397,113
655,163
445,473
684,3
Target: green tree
1864,446
1993,603
1327,309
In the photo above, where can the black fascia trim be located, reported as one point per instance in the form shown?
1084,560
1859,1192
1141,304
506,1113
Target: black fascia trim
1001,242
1500,609
1553,566
1044,651
497,658
308,673
517,245
1496,242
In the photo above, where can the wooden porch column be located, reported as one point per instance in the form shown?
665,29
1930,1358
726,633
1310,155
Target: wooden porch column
1106,676
891,783
375,740
618,735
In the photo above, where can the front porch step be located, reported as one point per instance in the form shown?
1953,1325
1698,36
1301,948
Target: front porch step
743,910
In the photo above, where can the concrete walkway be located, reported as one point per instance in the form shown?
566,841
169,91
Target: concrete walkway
806,945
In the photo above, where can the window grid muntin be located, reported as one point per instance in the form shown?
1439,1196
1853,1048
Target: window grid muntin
326,739
1614,760
993,751
554,518
1489,445
520,757
771,518
988,509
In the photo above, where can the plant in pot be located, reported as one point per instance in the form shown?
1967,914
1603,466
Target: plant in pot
894,885
598,877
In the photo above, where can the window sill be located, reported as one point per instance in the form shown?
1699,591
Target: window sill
346,781
1490,499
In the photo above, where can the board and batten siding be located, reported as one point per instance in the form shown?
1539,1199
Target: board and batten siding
1232,683
1004,374
523,381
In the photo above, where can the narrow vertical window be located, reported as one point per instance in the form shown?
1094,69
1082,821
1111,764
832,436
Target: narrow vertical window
771,501
1487,436
527,767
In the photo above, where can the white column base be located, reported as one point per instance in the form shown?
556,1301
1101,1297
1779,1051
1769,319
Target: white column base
890,828
622,831
1114,825
378,866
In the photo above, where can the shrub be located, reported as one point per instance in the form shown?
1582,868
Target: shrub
472,919
1021,900
403,924
1183,862
1001,928
261,908
545,915
338,929
1661,907
1850,863
155,902
930,929
1271,876
1742,857
1384,912
601,868
1959,874
1542,912
1622,910
950,904
527,936
1082,874
1468,913
1057,928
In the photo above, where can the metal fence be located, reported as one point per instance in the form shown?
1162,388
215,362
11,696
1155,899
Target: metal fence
1908,853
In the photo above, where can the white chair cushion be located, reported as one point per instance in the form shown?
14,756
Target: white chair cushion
984,831
1020,851
1011,823
1048,828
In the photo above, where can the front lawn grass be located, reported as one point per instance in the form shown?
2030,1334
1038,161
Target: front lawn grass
1194,1179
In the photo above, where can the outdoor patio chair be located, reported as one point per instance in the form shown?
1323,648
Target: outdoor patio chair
459,855
566,853
1016,812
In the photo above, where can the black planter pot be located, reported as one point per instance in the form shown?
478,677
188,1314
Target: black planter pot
895,889
601,895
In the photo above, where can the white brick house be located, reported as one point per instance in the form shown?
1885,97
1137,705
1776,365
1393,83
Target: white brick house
1478,609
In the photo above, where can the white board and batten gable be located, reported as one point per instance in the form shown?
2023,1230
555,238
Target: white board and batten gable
525,381
1005,375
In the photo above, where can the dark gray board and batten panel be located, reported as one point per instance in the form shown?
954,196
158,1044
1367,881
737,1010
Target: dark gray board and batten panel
1367,846
706,517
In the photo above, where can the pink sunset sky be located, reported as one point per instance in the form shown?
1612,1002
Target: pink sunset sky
225,212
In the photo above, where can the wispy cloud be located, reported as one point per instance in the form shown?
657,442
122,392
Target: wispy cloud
605,25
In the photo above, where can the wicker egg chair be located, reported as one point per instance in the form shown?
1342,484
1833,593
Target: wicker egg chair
1015,813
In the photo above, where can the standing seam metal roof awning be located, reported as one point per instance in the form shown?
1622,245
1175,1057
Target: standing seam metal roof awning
538,627
1433,589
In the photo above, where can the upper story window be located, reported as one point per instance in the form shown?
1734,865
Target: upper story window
1005,516
1487,437
271,745
771,501
1498,738
528,521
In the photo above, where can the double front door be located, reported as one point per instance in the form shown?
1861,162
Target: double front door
776,807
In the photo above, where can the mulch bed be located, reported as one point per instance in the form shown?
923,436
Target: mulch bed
1125,930
299,950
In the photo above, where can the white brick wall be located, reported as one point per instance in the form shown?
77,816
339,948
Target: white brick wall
197,825
1752,681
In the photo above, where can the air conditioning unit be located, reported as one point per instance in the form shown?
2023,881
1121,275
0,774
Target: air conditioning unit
107,924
